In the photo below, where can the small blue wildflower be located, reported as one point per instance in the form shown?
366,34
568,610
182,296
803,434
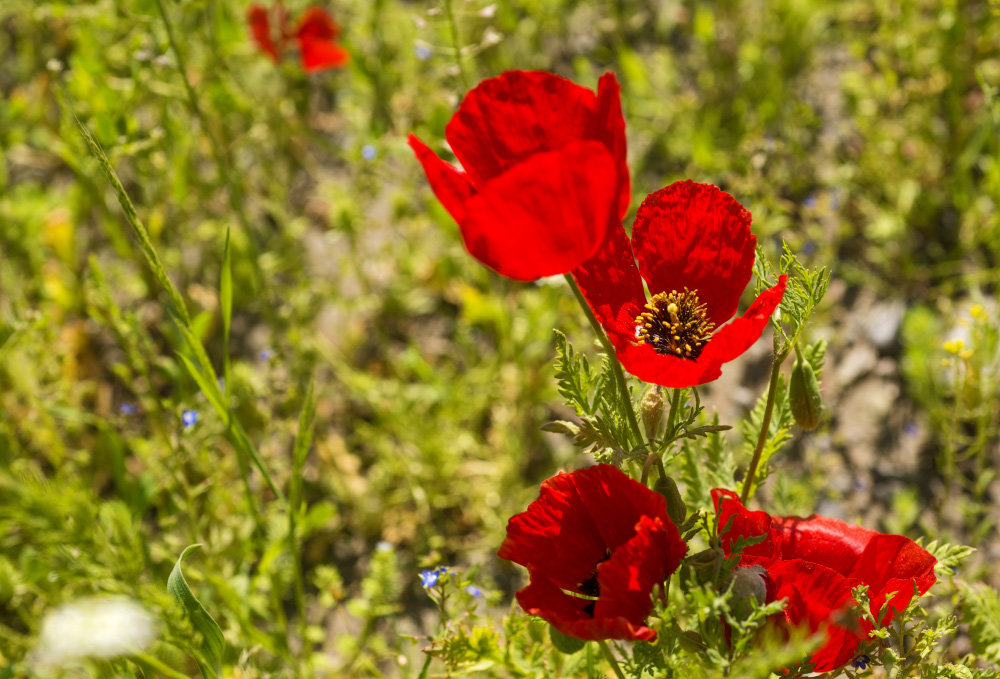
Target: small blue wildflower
810,201
861,662
128,409
423,52
429,577
266,354
369,152
911,428
189,418
474,591
809,247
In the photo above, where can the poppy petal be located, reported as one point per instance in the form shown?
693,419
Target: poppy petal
260,27
556,535
514,226
317,24
450,185
625,586
609,127
505,120
612,286
893,563
734,338
743,523
568,615
820,539
695,236
318,55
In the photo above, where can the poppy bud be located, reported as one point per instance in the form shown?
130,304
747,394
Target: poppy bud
652,407
750,582
675,504
803,392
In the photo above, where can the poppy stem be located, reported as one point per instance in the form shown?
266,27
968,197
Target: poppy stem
765,426
611,659
616,365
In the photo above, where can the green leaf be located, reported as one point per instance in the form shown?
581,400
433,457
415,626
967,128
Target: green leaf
226,305
213,644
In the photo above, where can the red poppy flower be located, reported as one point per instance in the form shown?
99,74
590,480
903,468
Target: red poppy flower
814,563
696,254
314,35
544,176
595,543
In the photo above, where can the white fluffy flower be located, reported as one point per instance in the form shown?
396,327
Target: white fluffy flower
95,628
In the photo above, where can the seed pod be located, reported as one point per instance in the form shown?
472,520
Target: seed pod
675,504
653,404
803,393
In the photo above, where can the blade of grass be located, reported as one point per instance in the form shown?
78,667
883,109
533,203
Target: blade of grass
202,366
303,440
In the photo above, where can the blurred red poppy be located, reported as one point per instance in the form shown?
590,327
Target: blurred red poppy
814,562
696,254
544,176
314,36
595,544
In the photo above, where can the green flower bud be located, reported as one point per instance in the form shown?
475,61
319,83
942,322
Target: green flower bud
803,393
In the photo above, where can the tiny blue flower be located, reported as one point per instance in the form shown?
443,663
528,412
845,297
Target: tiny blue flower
861,662
128,409
423,52
266,354
368,152
473,590
810,201
429,577
809,247
189,418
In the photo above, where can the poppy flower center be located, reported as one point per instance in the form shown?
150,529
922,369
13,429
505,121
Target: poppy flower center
591,587
675,323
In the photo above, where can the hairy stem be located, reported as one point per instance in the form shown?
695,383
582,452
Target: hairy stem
611,659
612,356
765,426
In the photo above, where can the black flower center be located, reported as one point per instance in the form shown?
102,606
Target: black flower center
590,587
675,323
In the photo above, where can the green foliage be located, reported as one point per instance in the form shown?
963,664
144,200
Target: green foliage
212,647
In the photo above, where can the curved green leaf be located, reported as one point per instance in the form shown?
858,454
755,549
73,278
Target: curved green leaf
213,644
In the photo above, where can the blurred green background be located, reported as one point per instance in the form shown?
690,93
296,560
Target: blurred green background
863,133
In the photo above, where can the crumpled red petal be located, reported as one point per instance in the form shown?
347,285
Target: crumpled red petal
543,217
695,236
505,120
594,519
260,27
609,127
317,49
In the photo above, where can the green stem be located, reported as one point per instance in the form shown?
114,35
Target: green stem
612,356
611,659
453,28
765,426
221,159
147,661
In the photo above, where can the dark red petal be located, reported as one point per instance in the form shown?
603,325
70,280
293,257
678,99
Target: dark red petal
609,127
318,55
260,27
745,524
544,599
695,236
505,120
627,579
546,216
450,185
734,338
611,283
892,563
820,539
316,24
577,519
817,597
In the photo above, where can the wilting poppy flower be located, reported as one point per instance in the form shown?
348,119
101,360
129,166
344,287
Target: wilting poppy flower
814,562
696,253
543,177
595,543
314,36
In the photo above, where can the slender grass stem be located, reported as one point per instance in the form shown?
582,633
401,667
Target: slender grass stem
611,659
765,426
612,356
456,42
